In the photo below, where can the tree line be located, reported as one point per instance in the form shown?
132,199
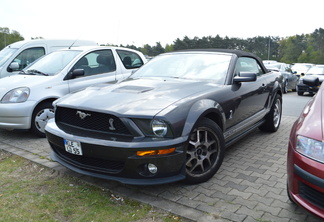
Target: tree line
7,37
305,48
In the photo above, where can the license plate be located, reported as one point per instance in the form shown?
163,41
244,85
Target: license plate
73,147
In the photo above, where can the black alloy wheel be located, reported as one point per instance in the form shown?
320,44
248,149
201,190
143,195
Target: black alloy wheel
205,151
273,118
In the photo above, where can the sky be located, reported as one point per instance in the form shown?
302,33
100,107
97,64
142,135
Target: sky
130,22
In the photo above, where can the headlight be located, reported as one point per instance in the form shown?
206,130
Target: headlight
311,148
17,95
154,128
159,127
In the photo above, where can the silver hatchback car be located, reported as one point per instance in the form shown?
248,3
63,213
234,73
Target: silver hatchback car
26,98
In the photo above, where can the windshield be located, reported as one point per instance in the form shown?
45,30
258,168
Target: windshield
5,54
301,68
194,66
273,66
52,63
316,71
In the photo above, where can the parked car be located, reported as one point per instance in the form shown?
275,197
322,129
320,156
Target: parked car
269,61
169,121
316,72
17,56
305,159
289,79
26,98
300,69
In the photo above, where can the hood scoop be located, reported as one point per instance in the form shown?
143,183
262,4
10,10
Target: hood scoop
132,89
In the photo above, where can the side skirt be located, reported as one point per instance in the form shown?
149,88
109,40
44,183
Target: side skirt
231,141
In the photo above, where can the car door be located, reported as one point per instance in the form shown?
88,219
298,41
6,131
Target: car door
99,67
251,97
291,78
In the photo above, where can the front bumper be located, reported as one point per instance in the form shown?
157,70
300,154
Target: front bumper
117,160
16,115
306,182
306,88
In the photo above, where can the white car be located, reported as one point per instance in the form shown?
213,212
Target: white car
26,98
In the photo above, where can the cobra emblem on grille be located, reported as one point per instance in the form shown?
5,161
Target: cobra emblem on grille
111,124
82,115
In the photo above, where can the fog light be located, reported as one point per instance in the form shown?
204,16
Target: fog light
152,168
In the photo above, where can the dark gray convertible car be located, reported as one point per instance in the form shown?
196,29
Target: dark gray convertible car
169,121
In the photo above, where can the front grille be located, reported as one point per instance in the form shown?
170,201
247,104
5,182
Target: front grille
88,163
310,194
71,120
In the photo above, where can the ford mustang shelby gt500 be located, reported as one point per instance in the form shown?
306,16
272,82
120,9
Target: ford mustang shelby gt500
169,121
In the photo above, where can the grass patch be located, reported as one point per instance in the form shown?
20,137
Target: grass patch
30,192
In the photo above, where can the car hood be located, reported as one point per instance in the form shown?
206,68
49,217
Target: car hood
15,81
311,121
145,97
320,77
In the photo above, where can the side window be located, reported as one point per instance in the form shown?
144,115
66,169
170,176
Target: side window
28,56
97,62
130,60
246,64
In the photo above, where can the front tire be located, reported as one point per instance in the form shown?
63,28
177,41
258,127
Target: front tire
300,93
273,118
205,151
42,113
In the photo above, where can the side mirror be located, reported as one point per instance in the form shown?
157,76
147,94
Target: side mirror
14,66
77,73
245,77
311,81
74,74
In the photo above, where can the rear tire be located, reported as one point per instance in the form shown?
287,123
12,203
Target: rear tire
273,118
205,151
42,113
285,87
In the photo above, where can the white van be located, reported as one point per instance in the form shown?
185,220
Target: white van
18,55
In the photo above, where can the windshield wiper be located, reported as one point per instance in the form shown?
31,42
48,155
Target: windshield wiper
34,71
22,72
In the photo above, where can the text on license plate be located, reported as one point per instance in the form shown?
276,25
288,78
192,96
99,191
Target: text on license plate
73,147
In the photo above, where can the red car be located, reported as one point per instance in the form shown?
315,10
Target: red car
305,161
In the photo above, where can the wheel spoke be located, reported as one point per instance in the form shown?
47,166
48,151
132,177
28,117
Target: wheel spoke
42,118
276,113
205,151
200,151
